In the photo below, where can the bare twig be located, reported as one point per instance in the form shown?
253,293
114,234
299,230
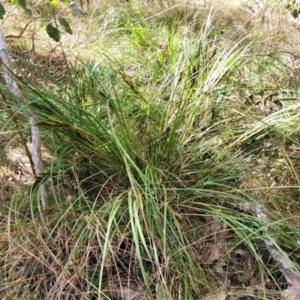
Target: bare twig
23,140
32,120
12,36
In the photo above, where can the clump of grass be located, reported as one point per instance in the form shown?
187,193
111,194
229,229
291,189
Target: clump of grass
147,181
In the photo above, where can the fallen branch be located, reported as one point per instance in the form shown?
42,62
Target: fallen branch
285,266
32,120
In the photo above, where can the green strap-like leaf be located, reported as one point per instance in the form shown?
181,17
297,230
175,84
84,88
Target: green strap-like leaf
53,32
2,11
22,3
74,7
65,24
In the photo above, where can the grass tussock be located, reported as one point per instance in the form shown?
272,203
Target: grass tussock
173,157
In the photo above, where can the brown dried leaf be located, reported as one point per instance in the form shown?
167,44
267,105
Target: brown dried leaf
212,255
124,288
217,296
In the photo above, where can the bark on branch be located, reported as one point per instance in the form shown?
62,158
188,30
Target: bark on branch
32,120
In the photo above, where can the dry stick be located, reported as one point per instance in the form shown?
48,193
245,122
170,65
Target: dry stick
23,142
11,36
21,102
23,139
285,266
